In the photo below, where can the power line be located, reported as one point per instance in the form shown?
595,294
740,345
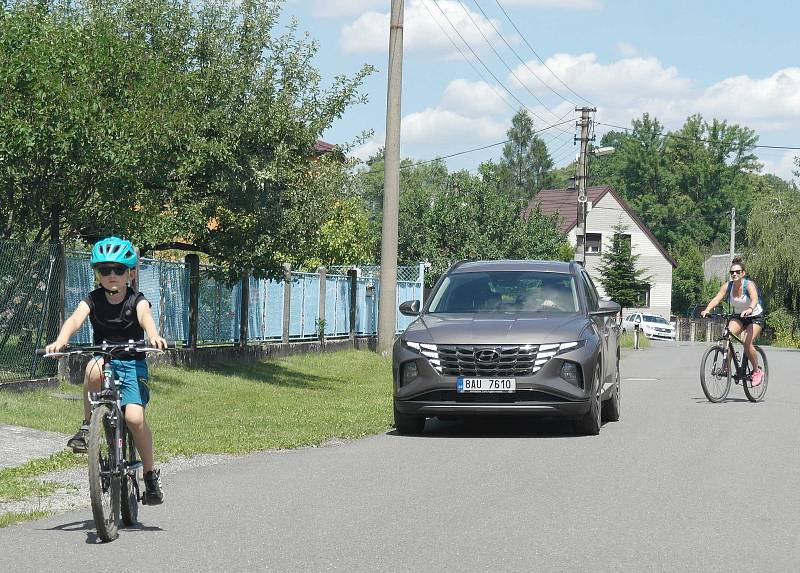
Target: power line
538,57
463,152
698,139
524,63
477,57
499,57
463,55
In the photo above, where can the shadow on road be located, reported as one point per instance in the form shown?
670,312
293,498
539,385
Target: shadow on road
497,427
87,526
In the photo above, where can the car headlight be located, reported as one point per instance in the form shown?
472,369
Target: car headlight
429,351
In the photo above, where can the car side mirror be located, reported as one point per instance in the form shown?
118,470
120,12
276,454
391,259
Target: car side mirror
605,307
637,320
410,308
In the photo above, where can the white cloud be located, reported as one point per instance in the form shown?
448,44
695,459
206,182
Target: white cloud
784,166
766,104
422,30
576,5
473,99
440,126
622,82
367,149
339,8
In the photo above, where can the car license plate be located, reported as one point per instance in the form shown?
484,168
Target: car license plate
488,385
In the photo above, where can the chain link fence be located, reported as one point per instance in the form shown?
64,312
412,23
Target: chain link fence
30,309
40,285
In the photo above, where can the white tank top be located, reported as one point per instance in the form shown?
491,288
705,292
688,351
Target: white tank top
740,304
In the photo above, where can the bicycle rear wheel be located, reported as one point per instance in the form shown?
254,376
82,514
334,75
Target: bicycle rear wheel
104,480
756,393
129,497
715,374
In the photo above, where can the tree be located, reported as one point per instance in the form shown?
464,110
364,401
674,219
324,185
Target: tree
181,125
687,277
618,274
773,254
526,163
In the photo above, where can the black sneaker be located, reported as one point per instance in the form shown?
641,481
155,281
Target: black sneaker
152,486
78,441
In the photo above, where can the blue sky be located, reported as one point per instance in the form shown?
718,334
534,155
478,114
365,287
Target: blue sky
730,60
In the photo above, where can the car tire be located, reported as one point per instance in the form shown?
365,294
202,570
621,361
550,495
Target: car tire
408,424
611,407
589,424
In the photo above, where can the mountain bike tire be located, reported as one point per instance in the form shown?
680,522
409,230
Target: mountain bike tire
129,494
104,481
757,393
715,386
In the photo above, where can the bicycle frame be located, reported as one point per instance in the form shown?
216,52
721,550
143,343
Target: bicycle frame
109,394
730,351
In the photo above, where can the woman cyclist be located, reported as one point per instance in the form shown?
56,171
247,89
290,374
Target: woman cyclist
743,297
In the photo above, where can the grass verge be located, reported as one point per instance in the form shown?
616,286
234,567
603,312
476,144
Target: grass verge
626,340
7,519
18,483
239,408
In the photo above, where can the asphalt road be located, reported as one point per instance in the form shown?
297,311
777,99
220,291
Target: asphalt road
678,484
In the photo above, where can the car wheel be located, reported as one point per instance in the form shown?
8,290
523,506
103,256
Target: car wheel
611,407
589,424
406,424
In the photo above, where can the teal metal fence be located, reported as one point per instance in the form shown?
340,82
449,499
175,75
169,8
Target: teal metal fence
40,285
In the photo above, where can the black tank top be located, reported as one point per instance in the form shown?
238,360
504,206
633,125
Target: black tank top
115,323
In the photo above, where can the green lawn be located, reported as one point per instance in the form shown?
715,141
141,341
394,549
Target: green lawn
239,408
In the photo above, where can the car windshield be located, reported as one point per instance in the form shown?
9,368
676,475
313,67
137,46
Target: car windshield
506,291
656,319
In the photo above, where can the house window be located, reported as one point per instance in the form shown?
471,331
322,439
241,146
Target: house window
593,243
643,300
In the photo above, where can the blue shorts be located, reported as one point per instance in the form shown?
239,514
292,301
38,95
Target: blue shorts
132,376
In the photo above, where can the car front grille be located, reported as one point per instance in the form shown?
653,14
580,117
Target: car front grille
503,361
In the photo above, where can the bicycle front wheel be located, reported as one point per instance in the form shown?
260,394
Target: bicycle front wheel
130,481
756,393
104,479
715,374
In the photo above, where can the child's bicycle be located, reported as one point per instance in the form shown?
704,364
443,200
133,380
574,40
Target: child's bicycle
721,364
114,465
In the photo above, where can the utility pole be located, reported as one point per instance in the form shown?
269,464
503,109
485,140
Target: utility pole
733,233
387,313
580,235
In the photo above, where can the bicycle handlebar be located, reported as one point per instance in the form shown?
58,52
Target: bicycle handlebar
106,348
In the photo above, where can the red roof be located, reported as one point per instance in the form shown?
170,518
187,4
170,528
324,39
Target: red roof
565,203
321,147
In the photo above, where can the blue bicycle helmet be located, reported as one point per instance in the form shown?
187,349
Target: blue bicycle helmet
114,250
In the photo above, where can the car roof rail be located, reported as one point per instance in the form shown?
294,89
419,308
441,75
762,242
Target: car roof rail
457,264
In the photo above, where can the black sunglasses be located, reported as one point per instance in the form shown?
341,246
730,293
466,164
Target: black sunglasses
736,272
118,270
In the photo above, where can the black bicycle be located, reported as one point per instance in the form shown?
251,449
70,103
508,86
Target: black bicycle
115,470
722,363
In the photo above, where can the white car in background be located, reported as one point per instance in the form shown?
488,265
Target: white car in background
651,325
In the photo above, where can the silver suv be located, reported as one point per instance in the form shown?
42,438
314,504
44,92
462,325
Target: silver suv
509,337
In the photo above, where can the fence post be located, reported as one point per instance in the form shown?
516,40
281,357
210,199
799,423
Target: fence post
352,274
287,301
708,331
244,310
692,329
323,277
193,262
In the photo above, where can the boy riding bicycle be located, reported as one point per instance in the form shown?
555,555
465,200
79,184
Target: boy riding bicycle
117,314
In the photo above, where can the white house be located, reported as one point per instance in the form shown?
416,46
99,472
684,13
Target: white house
606,210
